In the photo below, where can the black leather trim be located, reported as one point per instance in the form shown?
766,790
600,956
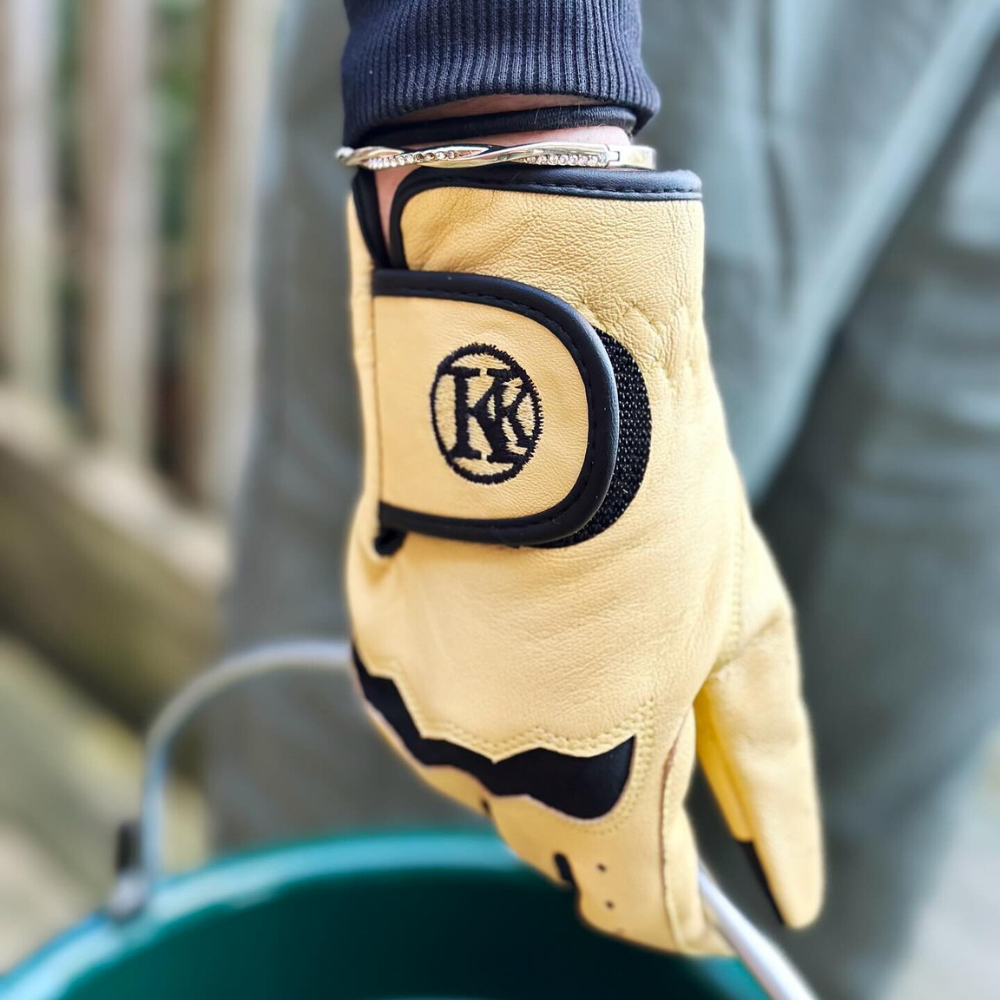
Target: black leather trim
573,512
580,182
582,787
369,219
464,127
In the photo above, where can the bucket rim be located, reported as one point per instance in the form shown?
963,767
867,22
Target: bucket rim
98,939
252,876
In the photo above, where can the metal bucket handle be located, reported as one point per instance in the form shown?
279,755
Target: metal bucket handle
136,879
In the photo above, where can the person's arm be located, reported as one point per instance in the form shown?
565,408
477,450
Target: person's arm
581,59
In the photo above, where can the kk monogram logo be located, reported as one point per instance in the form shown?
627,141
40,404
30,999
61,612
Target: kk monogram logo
486,412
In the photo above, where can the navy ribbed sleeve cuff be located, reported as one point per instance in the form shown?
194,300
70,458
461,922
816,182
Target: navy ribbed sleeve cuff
406,55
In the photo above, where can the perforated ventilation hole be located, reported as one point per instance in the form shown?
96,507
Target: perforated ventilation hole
388,541
564,869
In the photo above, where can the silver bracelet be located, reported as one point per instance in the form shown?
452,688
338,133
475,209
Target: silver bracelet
546,154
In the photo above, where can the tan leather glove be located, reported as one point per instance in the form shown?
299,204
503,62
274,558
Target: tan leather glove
558,593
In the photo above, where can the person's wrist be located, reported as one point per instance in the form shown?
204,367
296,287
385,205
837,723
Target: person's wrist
386,181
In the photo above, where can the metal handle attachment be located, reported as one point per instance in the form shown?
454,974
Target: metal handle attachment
759,954
135,882
767,963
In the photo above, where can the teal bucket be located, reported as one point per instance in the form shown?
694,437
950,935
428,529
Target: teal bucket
442,915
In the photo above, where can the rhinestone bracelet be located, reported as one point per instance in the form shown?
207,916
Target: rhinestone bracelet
546,154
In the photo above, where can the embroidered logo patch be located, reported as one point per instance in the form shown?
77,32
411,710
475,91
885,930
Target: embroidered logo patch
486,413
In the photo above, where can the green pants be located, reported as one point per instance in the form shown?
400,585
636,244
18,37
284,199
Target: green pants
853,302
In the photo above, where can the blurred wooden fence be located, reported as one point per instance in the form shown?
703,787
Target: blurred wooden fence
105,562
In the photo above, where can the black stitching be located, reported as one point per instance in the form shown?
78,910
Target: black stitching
529,386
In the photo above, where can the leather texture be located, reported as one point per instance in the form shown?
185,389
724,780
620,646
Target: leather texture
671,627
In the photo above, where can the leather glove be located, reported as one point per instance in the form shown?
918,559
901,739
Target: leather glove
557,591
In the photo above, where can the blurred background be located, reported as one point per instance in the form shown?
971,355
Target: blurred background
128,137
128,133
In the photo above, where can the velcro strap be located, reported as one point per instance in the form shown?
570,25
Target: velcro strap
497,409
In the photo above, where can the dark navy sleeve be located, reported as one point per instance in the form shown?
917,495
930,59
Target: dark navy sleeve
408,55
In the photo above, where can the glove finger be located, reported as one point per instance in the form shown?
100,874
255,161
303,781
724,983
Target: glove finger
755,747
635,876
690,928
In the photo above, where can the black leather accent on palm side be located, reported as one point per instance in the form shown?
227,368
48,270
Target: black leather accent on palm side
584,500
581,787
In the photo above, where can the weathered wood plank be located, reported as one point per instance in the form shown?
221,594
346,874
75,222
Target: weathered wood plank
27,335
37,897
70,774
101,569
117,170
220,357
